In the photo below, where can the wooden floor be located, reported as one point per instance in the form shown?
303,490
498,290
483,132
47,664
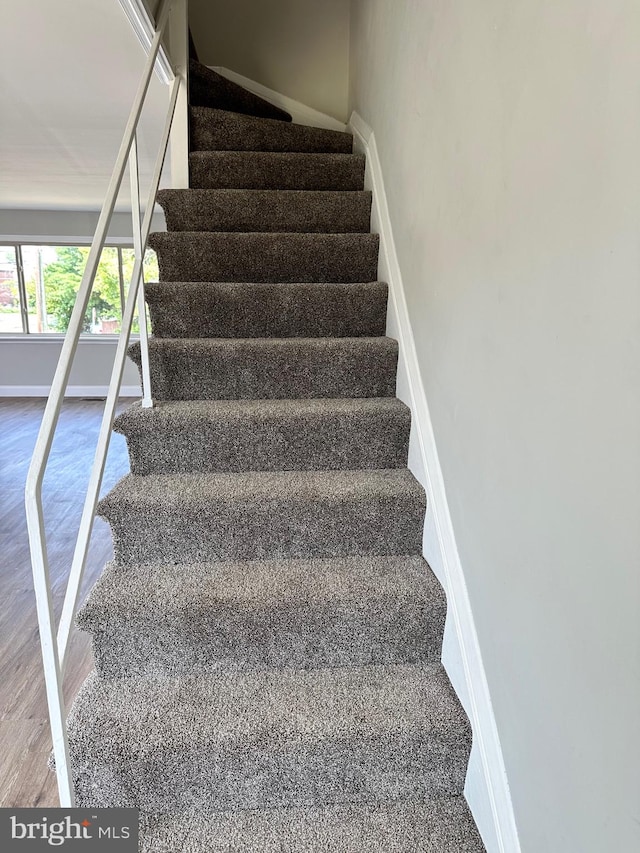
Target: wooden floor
25,740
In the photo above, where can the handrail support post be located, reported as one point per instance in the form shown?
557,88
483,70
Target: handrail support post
179,48
138,246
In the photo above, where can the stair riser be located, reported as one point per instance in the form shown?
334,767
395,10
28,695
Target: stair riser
181,619
269,738
216,130
271,369
340,634
258,774
281,527
217,310
277,443
197,256
266,211
276,170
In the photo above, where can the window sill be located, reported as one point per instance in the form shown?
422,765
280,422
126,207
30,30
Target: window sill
43,337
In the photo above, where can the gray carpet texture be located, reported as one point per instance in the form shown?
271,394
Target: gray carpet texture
267,310
207,88
267,639
264,515
305,211
259,257
266,435
270,368
269,738
217,130
273,170
176,619
434,825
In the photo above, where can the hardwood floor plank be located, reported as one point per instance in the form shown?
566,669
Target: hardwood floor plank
25,740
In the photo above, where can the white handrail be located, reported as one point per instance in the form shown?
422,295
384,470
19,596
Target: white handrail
104,437
54,647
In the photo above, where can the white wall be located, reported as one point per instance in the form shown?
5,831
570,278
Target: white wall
49,226
509,135
27,365
297,47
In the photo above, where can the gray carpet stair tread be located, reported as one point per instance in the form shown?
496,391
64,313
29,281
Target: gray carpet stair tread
264,515
269,738
286,170
172,619
270,257
437,825
267,639
207,88
266,435
274,368
265,310
218,130
279,210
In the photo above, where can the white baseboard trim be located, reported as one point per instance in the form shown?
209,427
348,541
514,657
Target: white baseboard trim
486,789
72,391
301,113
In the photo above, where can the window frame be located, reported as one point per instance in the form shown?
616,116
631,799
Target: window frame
26,334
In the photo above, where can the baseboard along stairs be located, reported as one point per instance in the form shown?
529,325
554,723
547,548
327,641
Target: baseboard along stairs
267,639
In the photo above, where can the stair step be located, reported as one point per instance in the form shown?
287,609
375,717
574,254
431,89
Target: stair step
218,130
268,739
266,435
304,211
191,518
275,170
286,310
434,825
270,368
207,88
258,257
160,619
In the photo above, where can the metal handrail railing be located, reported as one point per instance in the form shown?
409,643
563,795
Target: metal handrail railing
54,643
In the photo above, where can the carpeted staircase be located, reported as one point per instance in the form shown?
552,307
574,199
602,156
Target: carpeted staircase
267,639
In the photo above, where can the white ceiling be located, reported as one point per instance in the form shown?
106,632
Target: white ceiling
69,70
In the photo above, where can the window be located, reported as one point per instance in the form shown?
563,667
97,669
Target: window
38,287
11,307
